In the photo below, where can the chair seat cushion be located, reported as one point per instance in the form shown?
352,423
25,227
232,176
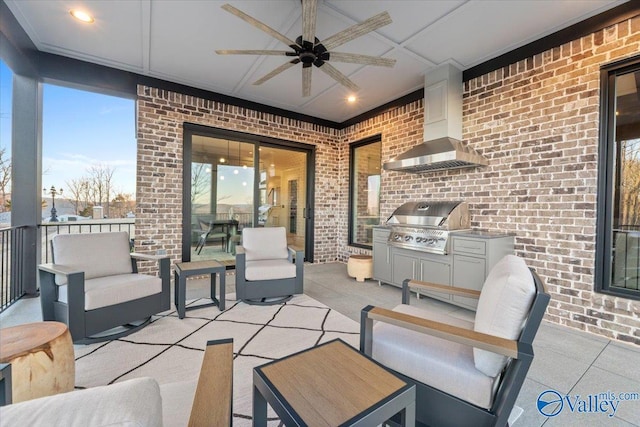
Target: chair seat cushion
439,363
106,291
269,269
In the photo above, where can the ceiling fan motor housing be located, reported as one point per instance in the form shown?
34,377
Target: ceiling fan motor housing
311,53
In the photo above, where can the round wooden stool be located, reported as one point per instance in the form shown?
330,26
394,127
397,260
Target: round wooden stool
360,267
41,357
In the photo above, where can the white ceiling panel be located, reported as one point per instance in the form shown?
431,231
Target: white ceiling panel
408,16
115,38
176,41
445,40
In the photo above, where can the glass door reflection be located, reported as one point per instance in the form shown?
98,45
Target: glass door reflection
283,175
222,191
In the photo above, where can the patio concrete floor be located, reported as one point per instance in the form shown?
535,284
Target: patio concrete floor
568,361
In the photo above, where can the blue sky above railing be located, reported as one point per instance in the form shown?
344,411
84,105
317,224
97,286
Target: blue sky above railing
81,129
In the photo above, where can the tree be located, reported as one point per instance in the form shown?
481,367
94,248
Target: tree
5,179
200,181
122,204
629,186
78,194
100,177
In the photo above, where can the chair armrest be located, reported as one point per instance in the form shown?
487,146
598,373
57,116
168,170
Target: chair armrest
445,331
147,257
434,287
58,269
239,250
5,384
295,252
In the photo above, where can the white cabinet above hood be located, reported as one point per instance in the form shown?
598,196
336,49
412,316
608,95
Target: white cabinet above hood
442,148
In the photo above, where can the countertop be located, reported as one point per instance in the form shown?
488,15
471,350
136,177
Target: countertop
479,234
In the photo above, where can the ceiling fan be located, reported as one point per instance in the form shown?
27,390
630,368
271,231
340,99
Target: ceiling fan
308,50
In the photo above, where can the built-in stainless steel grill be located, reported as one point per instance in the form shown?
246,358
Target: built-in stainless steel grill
425,226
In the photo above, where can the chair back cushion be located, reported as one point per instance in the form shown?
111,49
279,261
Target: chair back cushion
97,254
265,243
503,307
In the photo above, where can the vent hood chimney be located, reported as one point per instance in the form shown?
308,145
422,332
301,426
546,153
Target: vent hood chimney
442,148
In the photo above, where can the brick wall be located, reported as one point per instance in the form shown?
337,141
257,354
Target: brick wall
161,115
537,122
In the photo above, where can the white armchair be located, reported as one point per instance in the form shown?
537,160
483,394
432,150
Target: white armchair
466,373
93,286
266,272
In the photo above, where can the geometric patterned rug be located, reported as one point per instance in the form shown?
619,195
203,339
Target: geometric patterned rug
171,349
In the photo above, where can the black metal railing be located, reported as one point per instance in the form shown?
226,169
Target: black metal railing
626,260
11,281
50,229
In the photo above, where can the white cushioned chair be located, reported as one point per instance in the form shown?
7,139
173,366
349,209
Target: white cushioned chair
265,269
466,373
93,286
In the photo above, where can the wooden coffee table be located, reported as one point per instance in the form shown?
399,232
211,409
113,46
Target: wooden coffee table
331,385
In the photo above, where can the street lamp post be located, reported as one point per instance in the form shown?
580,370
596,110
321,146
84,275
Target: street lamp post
53,191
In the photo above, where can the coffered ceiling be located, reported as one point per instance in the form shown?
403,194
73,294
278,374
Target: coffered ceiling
176,41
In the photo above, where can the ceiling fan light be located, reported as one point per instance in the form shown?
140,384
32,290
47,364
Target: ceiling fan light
81,15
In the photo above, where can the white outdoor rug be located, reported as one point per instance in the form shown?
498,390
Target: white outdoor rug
171,349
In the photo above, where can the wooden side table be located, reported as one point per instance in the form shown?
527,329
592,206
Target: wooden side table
41,357
331,385
197,268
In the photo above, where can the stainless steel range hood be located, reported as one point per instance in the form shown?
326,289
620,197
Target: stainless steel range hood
442,148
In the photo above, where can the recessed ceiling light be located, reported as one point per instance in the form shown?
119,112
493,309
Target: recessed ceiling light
351,99
81,16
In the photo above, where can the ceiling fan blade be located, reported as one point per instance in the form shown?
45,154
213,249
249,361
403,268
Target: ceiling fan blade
338,76
355,58
254,52
309,12
306,81
261,26
355,31
275,72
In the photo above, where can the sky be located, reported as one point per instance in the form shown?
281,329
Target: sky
80,129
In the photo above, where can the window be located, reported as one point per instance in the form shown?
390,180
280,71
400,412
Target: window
618,221
364,192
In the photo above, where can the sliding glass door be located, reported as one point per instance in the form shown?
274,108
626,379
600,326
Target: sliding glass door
222,188
283,199
234,181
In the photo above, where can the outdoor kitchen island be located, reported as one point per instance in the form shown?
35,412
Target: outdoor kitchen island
466,263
